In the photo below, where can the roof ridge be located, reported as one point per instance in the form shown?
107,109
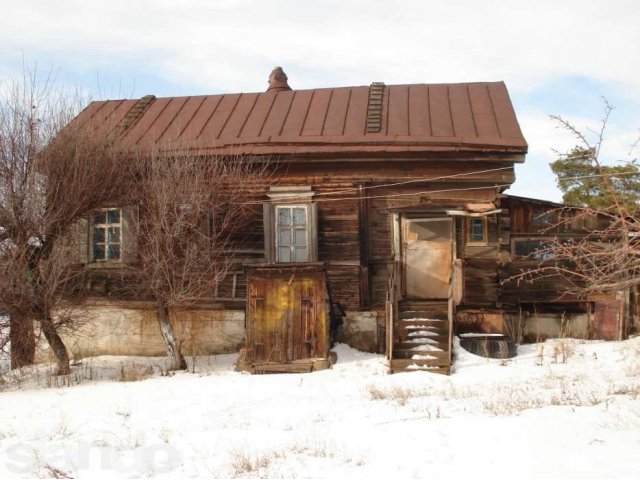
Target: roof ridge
309,89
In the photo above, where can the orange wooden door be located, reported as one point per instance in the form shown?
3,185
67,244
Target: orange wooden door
286,319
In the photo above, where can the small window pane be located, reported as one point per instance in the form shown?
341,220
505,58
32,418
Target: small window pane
100,218
98,235
284,237
284,254
114,252
300,237
300,254
476,230
113,216
284,216
299,217
114,234
533,248
98,252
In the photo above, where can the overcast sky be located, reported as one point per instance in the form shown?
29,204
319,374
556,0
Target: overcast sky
556,57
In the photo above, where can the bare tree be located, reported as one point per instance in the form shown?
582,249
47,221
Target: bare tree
52,173
605,258
191,209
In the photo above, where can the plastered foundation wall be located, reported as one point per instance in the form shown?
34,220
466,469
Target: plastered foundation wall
541,326
118,330
359,330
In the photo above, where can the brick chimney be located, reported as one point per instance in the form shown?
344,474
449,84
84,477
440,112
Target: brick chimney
278,80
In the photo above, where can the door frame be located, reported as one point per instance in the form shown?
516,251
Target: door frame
400,223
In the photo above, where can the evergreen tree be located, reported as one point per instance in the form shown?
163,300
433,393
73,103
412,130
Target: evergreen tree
585,182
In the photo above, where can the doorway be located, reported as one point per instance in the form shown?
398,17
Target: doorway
427,257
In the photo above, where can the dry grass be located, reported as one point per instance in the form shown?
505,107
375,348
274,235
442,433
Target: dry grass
398,394
563,350
244,464
631,357
134,372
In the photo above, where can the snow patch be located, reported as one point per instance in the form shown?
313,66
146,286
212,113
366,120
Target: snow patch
580,418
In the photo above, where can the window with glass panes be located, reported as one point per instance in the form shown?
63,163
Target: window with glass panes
477,230
291,233
106,234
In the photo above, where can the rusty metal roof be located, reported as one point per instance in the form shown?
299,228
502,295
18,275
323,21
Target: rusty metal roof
411,119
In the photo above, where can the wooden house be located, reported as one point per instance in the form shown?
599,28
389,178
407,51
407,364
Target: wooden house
387,228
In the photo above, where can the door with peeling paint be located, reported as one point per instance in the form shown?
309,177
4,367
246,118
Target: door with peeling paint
287,317
427,257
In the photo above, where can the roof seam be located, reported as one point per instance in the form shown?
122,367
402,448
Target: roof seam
152,121
284,120
326,112
120,103
186,124
100,107
473,115
493,111
108,115
306,114
266,117
386,100
346,112
172,120
409,110
453,126
429,111
231,112
246,118
215,109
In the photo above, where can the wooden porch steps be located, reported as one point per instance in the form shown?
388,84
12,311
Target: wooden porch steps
421,338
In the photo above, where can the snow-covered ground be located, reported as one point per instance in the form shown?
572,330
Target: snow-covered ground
530,417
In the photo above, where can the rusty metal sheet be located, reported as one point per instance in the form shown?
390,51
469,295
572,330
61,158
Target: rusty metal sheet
606,319
428,258
419,117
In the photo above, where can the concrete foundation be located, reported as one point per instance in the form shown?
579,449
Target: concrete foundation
359,330
541,326
123,330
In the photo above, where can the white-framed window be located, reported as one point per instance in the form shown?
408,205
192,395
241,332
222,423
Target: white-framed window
292,233
290,225
106,235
